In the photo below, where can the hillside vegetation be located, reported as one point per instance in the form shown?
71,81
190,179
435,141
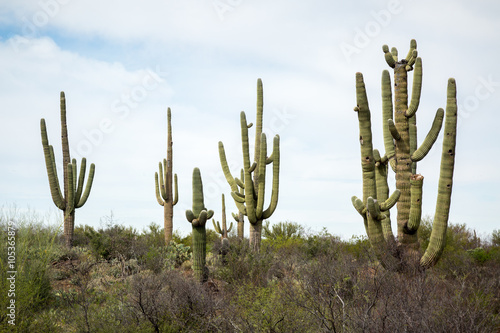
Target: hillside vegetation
118,279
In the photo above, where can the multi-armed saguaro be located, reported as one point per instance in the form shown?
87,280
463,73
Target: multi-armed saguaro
74,195
402,154
251,203
164,191
198,218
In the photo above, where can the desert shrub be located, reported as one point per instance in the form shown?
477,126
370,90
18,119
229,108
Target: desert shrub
265,309
243,265
35,247
166,257
172,303
282,230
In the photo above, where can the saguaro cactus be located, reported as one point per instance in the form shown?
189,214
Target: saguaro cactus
198,218
74,195
221,228
402,154
164,192
251,203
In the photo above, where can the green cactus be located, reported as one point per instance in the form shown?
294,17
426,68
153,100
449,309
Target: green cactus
198,218
74,196
222,229
239,217
402,154
251,201
164,192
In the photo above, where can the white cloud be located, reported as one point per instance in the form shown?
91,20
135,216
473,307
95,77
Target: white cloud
103,56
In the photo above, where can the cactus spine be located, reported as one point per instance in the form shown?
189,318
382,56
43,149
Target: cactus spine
402,154
251,203
74,196
164,192
198,217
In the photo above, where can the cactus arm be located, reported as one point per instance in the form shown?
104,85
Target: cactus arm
412,132
73,178
86,193
431,137
48,151
391,201
276,172
217,226
225,168
438,234
394,53
190,215
157,188
413,46
387,113
416,89
176,191
416,182
359,205
239,183
81,178
365,139
230,227
249,183
388,56
230,179
261,180
374,211
393,130
383,191
71,190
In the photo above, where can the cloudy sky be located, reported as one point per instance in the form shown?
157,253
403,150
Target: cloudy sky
122,63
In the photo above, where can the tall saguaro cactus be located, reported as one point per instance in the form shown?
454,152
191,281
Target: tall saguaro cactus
74,196
198,218
164,192
402,154
251,201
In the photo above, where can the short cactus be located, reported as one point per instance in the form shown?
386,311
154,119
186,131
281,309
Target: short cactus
74,196
163,183
251,201
198,217
402,154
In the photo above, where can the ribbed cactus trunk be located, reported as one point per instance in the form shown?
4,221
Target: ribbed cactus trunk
200,253
73,195
408,240
250,201
402,153
198,218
